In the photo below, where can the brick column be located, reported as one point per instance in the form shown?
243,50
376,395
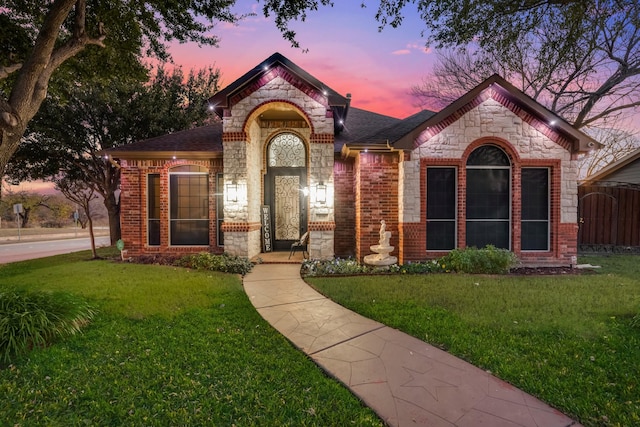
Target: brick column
376,199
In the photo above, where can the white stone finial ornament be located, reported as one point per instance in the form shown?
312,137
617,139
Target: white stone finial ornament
382,250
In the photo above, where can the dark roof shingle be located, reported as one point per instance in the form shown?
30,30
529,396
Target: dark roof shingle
203,139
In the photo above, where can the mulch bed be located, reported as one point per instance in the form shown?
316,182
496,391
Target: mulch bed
547,271
520,271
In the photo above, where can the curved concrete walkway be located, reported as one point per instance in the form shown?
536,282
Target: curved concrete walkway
404,380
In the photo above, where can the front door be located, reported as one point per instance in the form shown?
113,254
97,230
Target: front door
286,198
284,192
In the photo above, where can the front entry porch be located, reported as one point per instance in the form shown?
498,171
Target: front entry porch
278,257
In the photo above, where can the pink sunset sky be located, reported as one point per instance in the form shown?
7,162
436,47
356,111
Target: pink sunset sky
345,51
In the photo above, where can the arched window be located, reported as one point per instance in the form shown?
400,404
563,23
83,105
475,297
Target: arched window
189,206
488,198
287,150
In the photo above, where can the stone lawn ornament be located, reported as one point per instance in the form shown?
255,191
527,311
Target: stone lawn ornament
382,250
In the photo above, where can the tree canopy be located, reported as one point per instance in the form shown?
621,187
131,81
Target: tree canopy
592,81
60,42
64,141
84,40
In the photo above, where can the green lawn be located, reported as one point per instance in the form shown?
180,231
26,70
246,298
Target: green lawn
168,347
570,340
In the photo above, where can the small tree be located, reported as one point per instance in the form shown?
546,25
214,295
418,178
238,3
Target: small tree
82,194
29,201
56,213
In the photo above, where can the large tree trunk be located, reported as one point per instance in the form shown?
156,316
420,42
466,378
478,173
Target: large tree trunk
32,77
113,211
9,141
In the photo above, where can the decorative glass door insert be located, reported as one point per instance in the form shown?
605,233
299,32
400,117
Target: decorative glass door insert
287,209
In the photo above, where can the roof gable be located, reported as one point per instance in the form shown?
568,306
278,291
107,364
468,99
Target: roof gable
631,160
279,66
525,107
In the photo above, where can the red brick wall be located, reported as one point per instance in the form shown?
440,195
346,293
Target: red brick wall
133,216
563,237
345,208
412,238
130,212
376,199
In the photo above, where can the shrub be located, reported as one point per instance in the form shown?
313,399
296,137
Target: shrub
316,267
30,319
423,267
488,260
225,263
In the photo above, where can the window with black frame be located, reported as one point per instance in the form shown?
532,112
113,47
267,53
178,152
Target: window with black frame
441,208
535,209
189,206
220,208
488,198
153,209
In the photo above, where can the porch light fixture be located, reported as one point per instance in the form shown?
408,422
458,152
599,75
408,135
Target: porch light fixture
321,193
232,192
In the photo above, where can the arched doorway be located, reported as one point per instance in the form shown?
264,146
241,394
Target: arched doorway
286,189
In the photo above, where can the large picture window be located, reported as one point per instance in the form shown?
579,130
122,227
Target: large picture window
535,209
488,201
441,208
189,206
153,209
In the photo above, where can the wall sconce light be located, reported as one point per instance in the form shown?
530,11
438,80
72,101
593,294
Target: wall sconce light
232,192
305,191
321,193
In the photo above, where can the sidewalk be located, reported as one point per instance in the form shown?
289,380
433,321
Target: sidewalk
10,235
404,380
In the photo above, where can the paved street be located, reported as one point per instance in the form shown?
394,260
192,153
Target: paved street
20,251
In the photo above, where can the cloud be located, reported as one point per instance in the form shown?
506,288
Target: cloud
419,47
413,47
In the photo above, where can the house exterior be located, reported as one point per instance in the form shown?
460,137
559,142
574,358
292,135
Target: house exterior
290,155
609,207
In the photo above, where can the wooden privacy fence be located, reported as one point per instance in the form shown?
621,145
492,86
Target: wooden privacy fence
609,217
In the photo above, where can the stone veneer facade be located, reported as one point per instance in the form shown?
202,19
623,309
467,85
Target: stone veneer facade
245,141
527,143
363,187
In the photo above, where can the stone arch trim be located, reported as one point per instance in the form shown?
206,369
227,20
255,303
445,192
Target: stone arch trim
503,144
267,104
